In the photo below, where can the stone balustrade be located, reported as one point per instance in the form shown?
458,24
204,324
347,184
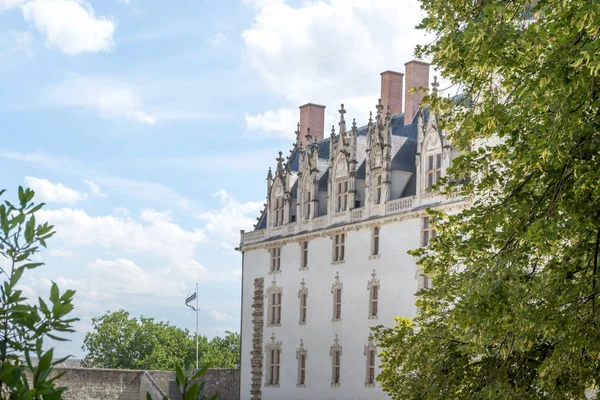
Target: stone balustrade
391,207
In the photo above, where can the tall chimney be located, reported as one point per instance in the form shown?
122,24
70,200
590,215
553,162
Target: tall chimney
391,91
312,116
417,75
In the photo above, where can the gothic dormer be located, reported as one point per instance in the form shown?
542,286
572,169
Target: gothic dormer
341,180
434,152
378,163
308,179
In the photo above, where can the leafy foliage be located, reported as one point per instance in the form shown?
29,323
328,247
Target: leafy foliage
121,341
187,382
23,324
514,309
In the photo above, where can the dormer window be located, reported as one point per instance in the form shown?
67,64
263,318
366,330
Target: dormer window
434,169
278,211
307,200
342,196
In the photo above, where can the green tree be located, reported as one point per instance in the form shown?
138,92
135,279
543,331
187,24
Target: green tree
25,323
514,309
121,341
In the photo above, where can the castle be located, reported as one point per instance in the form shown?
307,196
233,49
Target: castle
328,259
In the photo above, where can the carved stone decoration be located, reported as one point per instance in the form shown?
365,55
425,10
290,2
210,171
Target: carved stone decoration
278,188
374,281
432,141
256,362
376,157
341,168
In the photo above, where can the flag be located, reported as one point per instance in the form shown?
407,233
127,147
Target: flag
191,298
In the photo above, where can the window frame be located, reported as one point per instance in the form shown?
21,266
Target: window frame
304,254
279,207
306,206
341,195
273,372
301,357
378,188
302,303
274,297
375,242
428,232
275,265
433,169
339,244
370,365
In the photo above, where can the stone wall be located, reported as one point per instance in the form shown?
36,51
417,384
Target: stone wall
105,384
120,384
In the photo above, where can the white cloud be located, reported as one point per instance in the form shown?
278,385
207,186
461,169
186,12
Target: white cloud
70,25
95,189
156,234
49,192
10,4
331,51
111,99
217,39
219,316
225,223
281,123
61,253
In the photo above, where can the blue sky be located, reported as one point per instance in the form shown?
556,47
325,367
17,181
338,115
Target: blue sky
147,127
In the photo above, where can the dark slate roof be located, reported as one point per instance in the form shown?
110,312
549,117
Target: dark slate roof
323,181
404,158
411,187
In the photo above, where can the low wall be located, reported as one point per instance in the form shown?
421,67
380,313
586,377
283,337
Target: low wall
123,384
95,384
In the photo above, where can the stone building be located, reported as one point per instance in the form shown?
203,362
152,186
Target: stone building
328,258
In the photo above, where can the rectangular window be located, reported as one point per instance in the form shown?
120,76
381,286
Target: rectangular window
375,242
302,369
303,301
275,259
342,196
336,356
374,301
278,211
337,304
304,255
275,308
378,190
338,246
273,378
426,281
371,354
427,232
307,200
434,169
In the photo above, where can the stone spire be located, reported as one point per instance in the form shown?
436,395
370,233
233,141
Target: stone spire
297,132
435,85
279,164
342,121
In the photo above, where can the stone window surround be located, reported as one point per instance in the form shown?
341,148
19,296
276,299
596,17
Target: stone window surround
370,354
375,242
301,357
373,287
304,255
303,303
428,232
272,366
341,195
335,352
275,265
338,242
336,291
274,310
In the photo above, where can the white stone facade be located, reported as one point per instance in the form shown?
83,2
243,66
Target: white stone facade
334,265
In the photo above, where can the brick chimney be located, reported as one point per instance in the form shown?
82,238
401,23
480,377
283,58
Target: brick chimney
312,116
417,75
391,91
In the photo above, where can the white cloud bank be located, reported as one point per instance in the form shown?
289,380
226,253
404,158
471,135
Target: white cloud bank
10,4
70,25
329,52
48,192
280,123
224,224
110,98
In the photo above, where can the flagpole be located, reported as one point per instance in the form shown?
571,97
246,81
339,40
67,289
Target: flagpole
196,325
